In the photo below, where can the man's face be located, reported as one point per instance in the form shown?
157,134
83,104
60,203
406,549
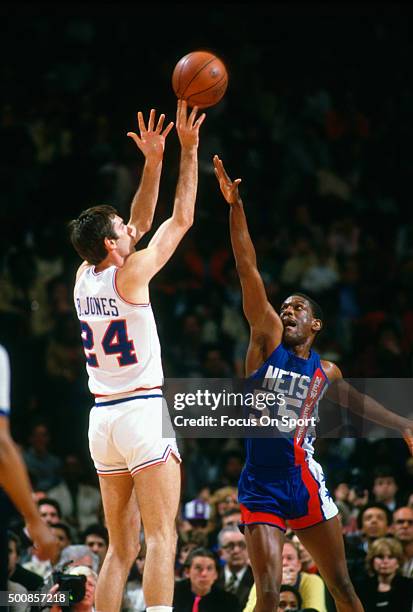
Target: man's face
97,545
384,489
62,539
403,525
290,557
232,519
125,243
298,320
288,602
228,503
13,556
234,550
89,597
202,574
49,514
374,523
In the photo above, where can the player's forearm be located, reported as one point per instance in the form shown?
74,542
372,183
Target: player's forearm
14,479
368,408
242,245
145,199
186,189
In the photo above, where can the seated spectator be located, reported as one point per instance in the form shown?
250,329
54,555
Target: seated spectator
41,463
80,502
79,554
385,588
50,510
307,562
290,599
197,514
310,586
373,522
183,549
385,487
403,532
236,576
133,598
17,573
43,568
97,538
198,590
231,517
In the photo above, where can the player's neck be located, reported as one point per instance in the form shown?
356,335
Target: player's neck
112,259
302,350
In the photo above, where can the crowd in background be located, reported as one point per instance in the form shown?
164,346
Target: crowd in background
323,146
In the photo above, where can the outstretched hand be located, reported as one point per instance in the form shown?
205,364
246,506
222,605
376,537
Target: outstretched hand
188,127
229,188
151,141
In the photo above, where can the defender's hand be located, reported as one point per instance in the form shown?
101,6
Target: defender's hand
151,141
229,188
188,128
44,541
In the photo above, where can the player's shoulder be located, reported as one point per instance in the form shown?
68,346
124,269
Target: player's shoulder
83,266
331,370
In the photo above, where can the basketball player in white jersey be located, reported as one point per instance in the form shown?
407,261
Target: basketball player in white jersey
138,469
15,482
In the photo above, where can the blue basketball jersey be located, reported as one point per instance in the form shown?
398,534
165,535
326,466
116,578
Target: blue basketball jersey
290,378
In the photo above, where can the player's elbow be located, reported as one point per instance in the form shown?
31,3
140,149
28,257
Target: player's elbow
184,220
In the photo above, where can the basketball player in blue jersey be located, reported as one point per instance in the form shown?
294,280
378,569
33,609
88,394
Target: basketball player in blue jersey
15,482
281,483
138,469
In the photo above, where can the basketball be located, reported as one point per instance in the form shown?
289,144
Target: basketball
200,78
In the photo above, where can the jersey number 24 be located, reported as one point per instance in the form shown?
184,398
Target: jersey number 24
115,342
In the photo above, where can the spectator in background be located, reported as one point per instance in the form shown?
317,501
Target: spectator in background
231,518
310,586
403,532
197,513
290,599
80,502
373,522
17,573
385,588
43,568
385,487
236,576
44,465
97,538
50,510
87,603
199,591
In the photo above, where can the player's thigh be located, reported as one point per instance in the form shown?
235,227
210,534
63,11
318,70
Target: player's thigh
121,509
158,490
265,544
325,544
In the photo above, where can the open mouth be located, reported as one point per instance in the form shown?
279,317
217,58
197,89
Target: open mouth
289,323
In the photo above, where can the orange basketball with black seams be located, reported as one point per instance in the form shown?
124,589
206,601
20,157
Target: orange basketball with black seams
200,78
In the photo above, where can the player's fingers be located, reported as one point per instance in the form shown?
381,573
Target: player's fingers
160,123
167,129
178,113
192,116
141,122
237,182
151,120
199,121
134,137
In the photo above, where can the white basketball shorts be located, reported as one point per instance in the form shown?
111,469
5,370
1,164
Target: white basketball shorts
125,434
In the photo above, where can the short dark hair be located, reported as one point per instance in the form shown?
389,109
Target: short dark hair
96,529
89,230
292,589
384,471
50,502
13,537
201,552
315,306
64,528
374,505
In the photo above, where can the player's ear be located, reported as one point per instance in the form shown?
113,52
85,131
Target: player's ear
110,244
317,325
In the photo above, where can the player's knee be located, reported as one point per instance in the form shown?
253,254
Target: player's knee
165,537
343,590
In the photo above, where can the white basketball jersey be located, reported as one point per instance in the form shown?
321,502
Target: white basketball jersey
4,382
120,338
